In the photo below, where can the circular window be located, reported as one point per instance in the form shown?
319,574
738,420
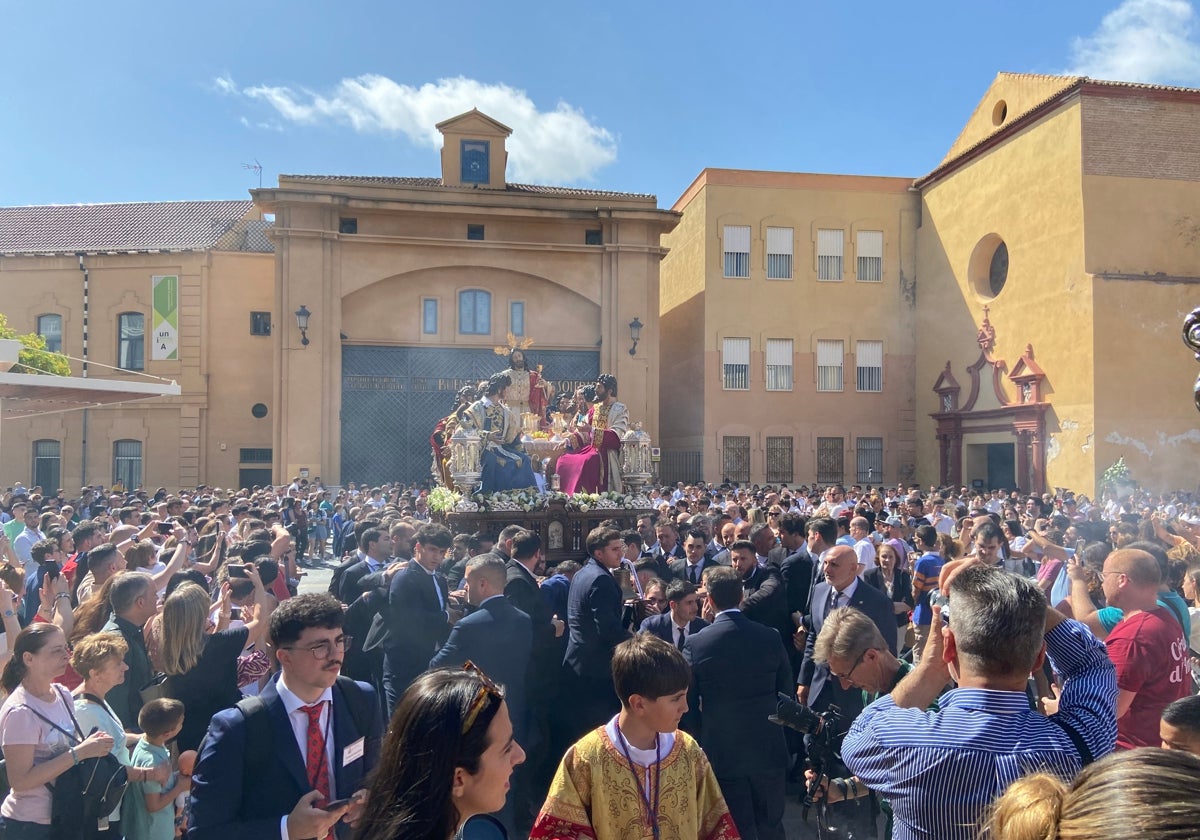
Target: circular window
1000,112
259,410
988,269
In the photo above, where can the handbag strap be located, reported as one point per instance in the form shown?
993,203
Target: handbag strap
55,725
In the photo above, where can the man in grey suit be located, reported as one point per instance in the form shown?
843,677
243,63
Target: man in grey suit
842,588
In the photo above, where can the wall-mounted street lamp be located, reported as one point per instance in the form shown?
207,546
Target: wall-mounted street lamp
635,332
302,315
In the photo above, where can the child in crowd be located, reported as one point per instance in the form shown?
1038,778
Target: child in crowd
678,795
148,811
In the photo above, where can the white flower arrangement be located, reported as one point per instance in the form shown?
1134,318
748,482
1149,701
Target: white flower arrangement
530,500
443,499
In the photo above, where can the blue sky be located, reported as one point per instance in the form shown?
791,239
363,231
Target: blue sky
123,101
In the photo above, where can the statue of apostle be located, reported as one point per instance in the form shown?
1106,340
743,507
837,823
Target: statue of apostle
592,462
443,431
506,465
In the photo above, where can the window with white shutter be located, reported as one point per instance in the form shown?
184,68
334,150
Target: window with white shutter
829,365
868,357
779,364
779,253
737,250
735,364
830,247
870,256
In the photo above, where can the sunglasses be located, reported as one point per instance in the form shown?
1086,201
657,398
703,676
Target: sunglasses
486,689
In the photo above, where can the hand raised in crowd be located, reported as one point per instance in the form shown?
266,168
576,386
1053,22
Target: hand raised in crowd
307,820
7,598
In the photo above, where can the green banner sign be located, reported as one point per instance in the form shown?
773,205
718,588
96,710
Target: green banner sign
165,336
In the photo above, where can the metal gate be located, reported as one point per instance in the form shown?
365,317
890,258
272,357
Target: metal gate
393,396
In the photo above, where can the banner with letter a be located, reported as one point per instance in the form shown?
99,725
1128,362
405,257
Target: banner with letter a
165,336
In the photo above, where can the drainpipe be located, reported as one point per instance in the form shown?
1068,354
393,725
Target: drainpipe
83,465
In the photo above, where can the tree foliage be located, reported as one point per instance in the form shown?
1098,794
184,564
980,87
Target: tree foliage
33,356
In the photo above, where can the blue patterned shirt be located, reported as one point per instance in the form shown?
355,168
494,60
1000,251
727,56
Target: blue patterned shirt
940,770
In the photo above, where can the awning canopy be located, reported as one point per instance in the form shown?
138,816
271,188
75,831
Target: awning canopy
34,394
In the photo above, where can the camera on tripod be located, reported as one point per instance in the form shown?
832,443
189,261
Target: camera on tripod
824,750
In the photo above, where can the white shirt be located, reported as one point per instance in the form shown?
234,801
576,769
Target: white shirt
298,718
865,550
645,758
843,597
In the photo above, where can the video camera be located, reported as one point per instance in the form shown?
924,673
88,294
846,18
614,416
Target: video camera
823,745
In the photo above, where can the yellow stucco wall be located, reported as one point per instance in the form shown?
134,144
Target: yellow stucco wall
222,369
802,309
411,243
1027,190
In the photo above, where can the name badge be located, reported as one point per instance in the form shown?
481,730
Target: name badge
354,752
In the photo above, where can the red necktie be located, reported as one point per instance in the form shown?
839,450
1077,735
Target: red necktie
314,762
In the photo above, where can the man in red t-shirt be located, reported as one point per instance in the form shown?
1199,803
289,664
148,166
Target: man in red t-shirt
1147,647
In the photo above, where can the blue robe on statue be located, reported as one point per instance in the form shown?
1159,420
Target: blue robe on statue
506,465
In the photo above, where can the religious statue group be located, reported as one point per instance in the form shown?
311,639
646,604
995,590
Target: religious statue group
592,420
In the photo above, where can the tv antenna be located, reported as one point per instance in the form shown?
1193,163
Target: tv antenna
255,167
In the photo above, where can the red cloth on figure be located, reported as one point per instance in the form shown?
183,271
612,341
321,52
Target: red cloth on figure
585,470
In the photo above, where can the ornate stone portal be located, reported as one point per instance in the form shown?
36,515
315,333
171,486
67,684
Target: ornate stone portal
980,414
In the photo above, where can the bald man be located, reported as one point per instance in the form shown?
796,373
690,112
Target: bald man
1147,647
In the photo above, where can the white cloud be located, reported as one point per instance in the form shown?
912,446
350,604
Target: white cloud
225,84
1142,41
554,146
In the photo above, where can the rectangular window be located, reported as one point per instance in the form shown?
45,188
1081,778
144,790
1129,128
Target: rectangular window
474,161
868,356
475,312
779,460
347,225
131,345
260,323
47,465
593,237
779,364
735,459
737,250
870,256
516,317
829,254
254,456
830,460
779,253
829,365
735,364
869,458
429,316
475,232
127,463
49,327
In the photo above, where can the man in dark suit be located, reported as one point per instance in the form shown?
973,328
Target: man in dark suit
681,620
691,567
796,571
416,616
256,778
376,546
496,636
842,588
668,547
763,597
738,665
594,626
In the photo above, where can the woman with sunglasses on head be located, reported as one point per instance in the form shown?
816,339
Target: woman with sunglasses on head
200,656
448,757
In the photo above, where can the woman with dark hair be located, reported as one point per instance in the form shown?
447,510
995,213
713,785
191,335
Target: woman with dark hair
448,757
34,721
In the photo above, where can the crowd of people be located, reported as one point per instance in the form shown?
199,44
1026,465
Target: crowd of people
948,663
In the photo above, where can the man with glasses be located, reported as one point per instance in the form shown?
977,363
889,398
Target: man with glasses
272,766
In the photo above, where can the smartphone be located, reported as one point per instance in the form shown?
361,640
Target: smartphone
237,570
235,613
335,804
166,528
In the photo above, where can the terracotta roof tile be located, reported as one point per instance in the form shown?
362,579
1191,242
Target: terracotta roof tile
141,226
436,183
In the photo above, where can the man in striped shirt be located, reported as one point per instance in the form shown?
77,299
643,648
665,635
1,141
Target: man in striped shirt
941,769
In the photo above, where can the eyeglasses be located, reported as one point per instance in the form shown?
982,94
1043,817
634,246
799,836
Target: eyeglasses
846,676
323,650
486,689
